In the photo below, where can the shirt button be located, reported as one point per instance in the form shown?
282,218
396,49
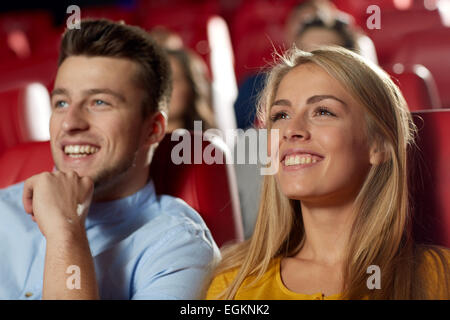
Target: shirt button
28,294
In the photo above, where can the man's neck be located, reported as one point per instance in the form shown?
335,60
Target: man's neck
121,187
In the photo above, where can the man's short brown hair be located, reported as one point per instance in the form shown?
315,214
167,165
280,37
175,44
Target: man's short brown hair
117,40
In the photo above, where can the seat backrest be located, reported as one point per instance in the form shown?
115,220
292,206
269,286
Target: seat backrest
115,13
210,189
430,177
33,26
417,85
12,130
23,161
430,48
397,23
358,9
258,28
23,110
188,20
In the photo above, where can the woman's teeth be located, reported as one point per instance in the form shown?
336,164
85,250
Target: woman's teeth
78,151
300,159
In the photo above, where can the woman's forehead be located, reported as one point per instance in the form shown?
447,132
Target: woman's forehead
307,80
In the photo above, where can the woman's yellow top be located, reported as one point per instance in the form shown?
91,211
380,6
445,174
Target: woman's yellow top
271,287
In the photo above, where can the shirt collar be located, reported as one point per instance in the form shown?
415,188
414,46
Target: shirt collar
121,209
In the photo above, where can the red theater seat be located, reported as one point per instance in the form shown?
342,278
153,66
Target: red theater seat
358,8
23,161
114,13
16,106
417,85
12,129
256,30
187,19
395,24
28,33
210,189
430,178
17,74
33,23
430,48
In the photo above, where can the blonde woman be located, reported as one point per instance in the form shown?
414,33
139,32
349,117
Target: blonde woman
334,221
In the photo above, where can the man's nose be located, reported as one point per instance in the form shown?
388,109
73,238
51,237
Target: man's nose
75,119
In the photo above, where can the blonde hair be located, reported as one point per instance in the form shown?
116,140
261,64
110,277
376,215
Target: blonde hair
381,233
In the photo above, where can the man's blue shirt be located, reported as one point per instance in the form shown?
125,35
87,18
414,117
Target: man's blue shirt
144,246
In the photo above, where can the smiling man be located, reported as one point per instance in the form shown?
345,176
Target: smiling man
96,227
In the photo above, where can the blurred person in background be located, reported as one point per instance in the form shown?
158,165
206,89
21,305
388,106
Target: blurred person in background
191,98
308,10
304,12
317,32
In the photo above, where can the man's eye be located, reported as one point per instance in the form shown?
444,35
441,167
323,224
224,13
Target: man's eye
278,116
61,104
322,111
99,102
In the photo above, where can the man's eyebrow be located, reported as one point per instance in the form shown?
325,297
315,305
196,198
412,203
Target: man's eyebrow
59,91
318,98
106,91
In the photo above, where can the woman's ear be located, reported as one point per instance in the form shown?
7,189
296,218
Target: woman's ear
156,127
378,153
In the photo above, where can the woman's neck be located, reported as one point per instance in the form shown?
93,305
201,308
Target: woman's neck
327,231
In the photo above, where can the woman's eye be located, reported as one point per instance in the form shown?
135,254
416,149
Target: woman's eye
322,111
278,116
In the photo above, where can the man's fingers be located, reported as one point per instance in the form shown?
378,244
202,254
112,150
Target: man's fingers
88,184
27,197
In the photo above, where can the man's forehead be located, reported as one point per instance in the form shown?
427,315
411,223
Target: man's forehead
81,73
101,68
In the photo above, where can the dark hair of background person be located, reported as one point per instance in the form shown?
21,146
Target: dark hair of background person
341,28
105,38
198,104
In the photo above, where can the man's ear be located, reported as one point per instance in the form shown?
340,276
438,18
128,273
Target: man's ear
157,124
378,153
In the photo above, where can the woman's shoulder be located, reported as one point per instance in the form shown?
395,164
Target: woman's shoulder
223,280
220,282
435,268
435,257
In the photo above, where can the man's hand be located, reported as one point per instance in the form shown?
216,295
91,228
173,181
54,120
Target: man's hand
52,198
59,203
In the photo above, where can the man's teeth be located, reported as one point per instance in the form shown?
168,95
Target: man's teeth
299,159
78,151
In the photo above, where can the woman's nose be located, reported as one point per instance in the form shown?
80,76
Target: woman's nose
296,128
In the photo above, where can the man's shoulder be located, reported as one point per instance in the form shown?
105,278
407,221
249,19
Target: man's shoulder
176,229
178,211
12,192
11,198
174,217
